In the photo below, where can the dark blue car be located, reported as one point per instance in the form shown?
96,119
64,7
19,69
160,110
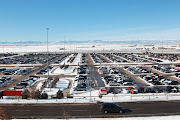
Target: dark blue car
111,108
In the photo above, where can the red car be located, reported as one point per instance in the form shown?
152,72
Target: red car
132,90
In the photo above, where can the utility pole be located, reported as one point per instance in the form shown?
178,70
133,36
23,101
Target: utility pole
90,81
70,46
48,57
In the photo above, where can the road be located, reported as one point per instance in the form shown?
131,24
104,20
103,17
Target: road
94,74
91,110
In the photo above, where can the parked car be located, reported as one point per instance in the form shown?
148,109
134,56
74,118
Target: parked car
111,108
132,90
103,91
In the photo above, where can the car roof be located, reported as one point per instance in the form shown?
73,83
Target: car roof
108,104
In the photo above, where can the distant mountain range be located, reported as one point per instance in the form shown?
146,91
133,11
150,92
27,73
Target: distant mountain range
96,41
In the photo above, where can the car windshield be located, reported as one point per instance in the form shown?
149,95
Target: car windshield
120,106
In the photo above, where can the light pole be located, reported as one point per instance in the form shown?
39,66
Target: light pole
47,56
70,46
90,81
64,47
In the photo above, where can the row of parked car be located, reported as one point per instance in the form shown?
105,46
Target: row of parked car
165,68
26,82
63,57
170,57
2,70
131,56
18,71
80,84
137,69
45,70
147,58
157,79
97,58
2,55
83,58
4,79
118,80
166,89
108,70
177,75
112,57
82,69
30,58
23,71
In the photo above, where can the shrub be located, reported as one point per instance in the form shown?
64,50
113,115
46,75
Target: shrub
35,94
25,94
44,96
59,94
100,95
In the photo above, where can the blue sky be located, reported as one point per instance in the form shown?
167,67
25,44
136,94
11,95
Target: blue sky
27,20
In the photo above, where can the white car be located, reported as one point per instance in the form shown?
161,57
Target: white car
128,83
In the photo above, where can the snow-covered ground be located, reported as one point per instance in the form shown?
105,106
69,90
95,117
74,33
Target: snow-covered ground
173,117
84,47
84,97
68,47
62,85
71,70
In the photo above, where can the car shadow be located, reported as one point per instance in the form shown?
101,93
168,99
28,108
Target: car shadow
127,111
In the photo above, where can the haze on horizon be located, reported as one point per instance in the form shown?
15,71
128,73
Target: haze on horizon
89,20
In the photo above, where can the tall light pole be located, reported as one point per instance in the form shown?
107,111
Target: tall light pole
64,47
70,46
47,56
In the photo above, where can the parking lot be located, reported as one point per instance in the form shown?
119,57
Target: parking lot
147,76
117,72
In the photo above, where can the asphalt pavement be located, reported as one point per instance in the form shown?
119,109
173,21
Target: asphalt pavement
135,109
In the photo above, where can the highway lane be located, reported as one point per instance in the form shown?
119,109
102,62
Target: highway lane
90,110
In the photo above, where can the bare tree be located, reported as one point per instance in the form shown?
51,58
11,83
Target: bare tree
35,94
25,94
59,94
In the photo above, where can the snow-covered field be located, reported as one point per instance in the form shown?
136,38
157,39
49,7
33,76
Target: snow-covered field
84,97
177,117
71,70
62,85
84,47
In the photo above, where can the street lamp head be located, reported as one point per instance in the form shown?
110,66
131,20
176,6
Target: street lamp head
47,28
